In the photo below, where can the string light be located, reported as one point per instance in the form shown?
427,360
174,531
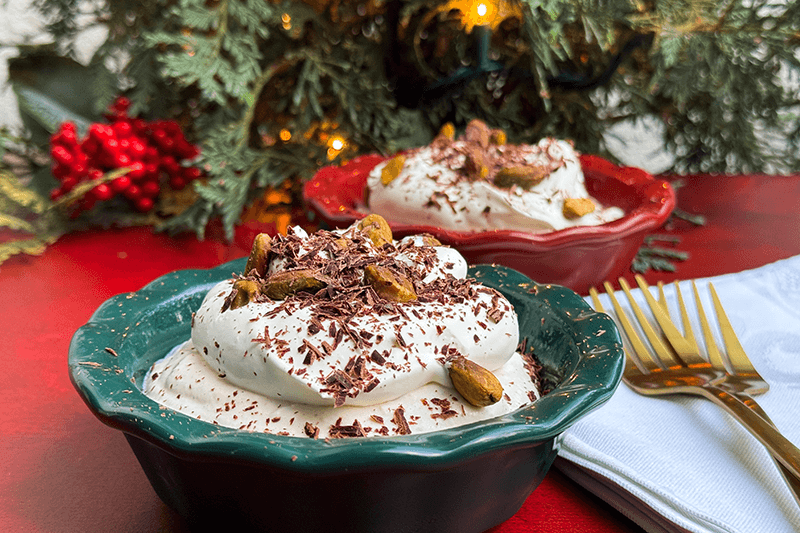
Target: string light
484,12
285,135
336,143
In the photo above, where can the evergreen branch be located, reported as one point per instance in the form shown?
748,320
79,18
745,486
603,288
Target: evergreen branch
13,190
32,246
16,223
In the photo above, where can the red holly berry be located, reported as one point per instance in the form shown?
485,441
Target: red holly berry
120,184
122,103
61,171
152,151
79,169
68,184
151,154
100,131
103,192
177,183
110,145
62,155
133,192
139,126
137,170
136,149
169,164
144,204
121,160
123,129
191,173
150,189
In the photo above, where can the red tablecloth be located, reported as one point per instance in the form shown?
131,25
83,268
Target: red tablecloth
64,471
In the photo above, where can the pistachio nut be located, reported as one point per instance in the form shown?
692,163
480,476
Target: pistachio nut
477,132
389,285
476,384
376,229
577,207
282,284
521,176
448,131
258,255
392,169
498,137
475,165
430,240
246,292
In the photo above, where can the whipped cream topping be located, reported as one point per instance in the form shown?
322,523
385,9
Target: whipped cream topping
453,184
346,357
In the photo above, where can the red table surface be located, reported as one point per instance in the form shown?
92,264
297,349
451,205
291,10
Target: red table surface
64,471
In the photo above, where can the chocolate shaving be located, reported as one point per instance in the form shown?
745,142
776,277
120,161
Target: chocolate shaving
311,430
377,357
313,353
399,420
338,431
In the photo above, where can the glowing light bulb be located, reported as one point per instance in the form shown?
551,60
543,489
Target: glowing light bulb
482,10
337,144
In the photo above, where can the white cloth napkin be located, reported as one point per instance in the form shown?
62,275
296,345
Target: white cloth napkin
680,463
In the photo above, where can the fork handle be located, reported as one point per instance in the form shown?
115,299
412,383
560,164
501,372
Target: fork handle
779,446
792,481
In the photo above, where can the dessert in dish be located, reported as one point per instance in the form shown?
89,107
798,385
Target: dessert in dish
464,479
479,182
348,333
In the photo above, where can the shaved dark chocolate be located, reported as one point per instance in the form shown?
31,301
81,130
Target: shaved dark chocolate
399,420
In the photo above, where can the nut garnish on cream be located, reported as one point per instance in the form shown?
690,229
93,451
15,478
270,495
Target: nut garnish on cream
479,182
348,333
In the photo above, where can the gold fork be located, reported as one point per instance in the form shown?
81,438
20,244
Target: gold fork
741,378
678,367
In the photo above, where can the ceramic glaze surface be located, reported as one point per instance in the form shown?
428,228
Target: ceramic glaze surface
579,349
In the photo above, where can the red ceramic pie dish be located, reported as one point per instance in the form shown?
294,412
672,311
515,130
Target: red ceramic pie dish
577,257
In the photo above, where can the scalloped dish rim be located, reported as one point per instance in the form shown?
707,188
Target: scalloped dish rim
104,353
337,205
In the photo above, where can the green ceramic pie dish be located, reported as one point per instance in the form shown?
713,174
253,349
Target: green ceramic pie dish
459,480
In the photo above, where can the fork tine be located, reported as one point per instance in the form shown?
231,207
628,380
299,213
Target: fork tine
662,351
641,356
736,354
630,364
693,357
684,350
688,333
714,355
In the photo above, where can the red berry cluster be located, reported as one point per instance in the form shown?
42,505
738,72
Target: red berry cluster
152,150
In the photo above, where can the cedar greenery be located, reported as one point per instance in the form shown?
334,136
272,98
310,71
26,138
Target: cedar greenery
383,75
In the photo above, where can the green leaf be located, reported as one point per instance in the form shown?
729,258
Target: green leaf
52,89
46,111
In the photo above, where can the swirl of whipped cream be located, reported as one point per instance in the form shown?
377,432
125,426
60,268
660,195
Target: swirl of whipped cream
347,346
432,189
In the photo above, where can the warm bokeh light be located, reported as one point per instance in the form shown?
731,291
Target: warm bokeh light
484,12
336,143
285,135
